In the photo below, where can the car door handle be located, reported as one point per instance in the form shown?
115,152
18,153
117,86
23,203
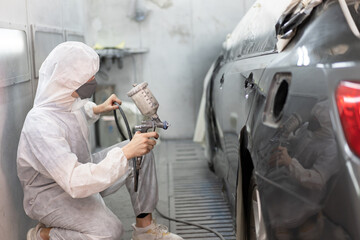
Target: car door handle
249,81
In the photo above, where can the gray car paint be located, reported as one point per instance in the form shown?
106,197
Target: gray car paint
291,210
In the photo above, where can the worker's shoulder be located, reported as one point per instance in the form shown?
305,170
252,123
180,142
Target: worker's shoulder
38,121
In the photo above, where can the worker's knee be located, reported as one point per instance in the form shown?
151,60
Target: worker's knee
149,160
115,229
106,228
109,228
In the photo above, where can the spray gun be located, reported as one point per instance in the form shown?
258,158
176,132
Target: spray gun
280,138
148,106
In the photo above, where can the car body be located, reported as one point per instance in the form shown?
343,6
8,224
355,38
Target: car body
275,128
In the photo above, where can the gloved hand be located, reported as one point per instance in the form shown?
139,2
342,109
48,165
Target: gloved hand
280,157
140,144
108,105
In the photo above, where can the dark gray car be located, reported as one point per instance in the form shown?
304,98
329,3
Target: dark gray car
283,128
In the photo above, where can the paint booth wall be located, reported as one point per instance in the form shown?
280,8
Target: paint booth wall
183,37
17,80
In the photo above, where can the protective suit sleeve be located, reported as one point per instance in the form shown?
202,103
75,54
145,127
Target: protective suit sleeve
99,156
79,180
324,167
309,178
91,117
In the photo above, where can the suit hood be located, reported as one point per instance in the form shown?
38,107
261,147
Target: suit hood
68,66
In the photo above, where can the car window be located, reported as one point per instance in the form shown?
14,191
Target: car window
255,33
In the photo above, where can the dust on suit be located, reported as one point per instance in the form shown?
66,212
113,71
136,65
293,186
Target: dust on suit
61,180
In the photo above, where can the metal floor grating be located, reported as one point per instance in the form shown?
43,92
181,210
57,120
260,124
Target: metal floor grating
196,194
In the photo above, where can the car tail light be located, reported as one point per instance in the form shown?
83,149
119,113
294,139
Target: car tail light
348,103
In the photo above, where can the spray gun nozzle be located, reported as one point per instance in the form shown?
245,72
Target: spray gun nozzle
166,125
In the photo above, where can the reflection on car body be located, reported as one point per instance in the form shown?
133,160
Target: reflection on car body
276,125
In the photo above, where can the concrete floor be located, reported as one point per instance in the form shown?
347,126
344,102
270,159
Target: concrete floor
120,203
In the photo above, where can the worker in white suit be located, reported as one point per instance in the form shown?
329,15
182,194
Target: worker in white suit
61,179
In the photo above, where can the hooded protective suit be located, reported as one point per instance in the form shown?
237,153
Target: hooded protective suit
60,177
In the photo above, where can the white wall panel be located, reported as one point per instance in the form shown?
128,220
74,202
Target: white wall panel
15,102
108,23
44,41
44,12
74,15
13,11
14,55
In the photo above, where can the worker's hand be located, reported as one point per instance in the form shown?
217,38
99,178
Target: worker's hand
140,144
108,105
280,157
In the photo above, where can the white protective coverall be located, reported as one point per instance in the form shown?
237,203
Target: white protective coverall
60,178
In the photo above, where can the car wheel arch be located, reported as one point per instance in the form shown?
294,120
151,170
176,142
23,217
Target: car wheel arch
244,173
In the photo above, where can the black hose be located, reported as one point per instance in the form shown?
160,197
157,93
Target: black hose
190,223
123,137
160,213
125,120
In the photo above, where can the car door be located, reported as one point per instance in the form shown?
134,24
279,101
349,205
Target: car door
216,120
237,88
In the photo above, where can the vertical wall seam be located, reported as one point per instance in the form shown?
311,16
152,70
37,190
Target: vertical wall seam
30,49
141,77
192,59
62,17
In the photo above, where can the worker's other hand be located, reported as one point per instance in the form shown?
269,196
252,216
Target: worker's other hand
108,105
140,144
280,157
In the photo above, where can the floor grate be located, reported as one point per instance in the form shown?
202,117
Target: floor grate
196,194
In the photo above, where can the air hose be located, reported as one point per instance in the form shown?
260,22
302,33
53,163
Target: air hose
125,120
160,213
190,223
